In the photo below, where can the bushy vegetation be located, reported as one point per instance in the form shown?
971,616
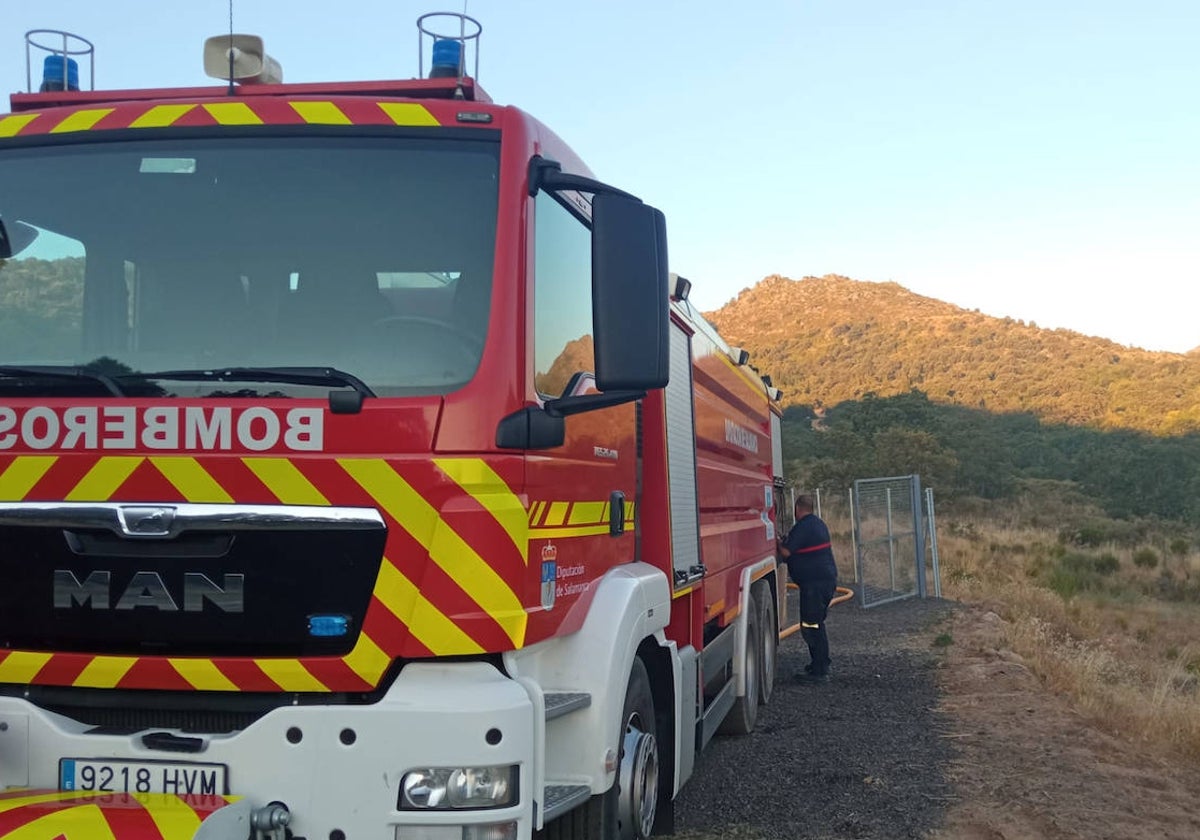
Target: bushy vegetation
831,340
1003,459
1103,626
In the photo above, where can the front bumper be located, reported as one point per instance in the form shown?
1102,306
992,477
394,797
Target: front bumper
336,768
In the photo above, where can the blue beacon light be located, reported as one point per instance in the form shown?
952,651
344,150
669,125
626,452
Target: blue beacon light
59,68
447,59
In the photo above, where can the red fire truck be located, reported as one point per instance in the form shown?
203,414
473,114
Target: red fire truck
363,471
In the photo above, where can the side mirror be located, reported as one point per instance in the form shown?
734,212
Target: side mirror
630,294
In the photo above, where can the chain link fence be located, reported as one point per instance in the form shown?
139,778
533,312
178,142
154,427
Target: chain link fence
888,532
883,525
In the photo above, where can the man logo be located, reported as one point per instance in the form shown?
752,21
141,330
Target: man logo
147,589
137,521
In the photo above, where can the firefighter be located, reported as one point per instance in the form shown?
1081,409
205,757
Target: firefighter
811,566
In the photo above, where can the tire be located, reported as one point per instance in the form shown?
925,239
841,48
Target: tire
627,810
744,714
768,660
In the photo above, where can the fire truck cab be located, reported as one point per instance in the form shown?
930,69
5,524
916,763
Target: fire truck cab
363,471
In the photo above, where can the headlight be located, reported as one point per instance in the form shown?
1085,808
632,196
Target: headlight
458,787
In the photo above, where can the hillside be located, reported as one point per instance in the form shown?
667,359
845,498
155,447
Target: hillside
832,339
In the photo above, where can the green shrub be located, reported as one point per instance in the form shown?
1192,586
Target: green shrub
1065,582
1077,572
944,640
1106,564
1145,558
1097,532
1076,563
1180,546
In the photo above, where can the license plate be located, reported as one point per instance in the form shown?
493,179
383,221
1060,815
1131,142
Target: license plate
110,776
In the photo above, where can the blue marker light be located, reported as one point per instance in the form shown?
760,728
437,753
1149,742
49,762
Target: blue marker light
447,58
326,626
53,74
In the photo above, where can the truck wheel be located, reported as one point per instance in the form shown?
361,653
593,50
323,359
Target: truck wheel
744,714
636,790
627,810
770,642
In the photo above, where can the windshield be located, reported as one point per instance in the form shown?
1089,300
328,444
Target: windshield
367,255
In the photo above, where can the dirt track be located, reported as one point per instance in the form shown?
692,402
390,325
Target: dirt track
862,756
912,741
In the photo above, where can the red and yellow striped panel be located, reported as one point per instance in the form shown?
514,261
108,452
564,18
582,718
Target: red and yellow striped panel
449,583
74,815
558,519
268,111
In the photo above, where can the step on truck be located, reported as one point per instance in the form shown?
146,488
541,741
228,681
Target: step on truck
364,473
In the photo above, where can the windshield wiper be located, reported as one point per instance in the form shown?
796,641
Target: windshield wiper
61,372
340,402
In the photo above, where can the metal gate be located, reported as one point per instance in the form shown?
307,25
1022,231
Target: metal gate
889,538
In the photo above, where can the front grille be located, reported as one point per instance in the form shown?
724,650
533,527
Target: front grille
127,721
233,593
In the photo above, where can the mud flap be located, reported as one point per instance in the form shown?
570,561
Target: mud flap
78,815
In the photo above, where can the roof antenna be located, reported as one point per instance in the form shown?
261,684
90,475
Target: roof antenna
231,92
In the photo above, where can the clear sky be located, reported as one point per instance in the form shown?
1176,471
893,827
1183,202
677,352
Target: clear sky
1038,159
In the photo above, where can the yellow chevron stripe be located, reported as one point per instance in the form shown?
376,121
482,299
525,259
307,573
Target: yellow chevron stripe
485,486
37,799
11,126
191,479
81,120
535,510
104,478
173,817
22,474
233,113
587,513
284,480
21,667
290,675
426,622
203,674
446,548
367,659
70,822
563,532
320,113
408,113
104,671
557,514
161,116
629,511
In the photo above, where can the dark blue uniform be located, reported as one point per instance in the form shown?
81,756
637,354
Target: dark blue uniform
812,568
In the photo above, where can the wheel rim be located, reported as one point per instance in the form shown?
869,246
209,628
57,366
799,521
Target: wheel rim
768,653
638,802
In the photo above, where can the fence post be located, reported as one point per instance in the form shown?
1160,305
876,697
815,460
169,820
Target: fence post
919,536
854,543
891,539
933,544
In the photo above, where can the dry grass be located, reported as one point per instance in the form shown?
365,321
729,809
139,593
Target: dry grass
1121,639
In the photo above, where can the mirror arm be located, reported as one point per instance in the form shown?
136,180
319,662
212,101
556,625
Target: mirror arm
566,406
545,174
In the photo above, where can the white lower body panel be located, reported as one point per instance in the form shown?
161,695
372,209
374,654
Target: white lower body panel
343,773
